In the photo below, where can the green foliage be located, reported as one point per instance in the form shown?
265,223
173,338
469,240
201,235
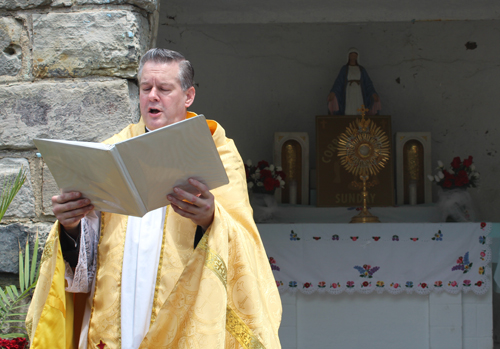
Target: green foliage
12,307
9,191
13,301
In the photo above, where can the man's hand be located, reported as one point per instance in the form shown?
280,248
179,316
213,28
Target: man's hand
200,209
69,208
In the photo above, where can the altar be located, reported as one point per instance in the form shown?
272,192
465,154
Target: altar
401,285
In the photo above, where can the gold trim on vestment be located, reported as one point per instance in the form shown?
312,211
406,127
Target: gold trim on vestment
239,329
156,302
48,250
214,262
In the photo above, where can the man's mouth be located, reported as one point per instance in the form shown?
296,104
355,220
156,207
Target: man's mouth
154,111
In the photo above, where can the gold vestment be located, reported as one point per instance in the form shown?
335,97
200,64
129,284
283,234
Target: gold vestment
220,295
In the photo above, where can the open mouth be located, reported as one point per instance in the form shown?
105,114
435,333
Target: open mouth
154,111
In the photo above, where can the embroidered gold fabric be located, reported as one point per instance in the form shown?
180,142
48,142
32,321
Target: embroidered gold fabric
241,331
195,288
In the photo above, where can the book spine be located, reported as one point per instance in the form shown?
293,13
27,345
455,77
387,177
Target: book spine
141,208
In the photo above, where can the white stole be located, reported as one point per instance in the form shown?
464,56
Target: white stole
140,265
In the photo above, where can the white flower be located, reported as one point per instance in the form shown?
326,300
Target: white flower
472,167
271,167
436,178
440,164
260,184
476,175
450,171
431,177
441,174
278,168
278,178
250,185
249,162
282,183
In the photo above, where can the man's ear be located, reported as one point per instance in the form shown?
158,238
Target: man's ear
190,94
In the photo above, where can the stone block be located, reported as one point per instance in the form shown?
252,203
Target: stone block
73,110
148,5
22,4
14,49
104,43
13,235
49,189
23,204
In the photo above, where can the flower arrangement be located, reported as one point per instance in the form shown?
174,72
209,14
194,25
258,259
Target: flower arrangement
16,343
264,178
461,174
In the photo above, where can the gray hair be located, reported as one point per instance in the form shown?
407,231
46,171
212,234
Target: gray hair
162,55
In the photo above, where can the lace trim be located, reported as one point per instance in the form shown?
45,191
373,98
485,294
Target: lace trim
80,281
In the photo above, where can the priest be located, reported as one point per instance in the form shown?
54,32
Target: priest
193,274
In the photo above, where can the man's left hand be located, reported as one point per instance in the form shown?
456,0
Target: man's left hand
200,209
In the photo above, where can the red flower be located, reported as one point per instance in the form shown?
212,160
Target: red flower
281,174
265,174
447,183
483,224
456,162
269,184
447,175
468,162
263,164
460,260
307,285
479,283
365,284
424,285
462,178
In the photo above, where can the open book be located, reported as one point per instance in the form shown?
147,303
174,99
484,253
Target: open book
134,177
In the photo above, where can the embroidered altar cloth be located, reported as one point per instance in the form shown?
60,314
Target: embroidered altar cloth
393,257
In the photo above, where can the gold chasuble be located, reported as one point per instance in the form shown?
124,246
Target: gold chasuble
220,295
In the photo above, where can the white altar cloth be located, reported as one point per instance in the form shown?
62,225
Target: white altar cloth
383,257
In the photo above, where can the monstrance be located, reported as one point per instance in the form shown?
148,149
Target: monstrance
364,150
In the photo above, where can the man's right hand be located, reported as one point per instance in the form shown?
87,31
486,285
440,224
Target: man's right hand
69,208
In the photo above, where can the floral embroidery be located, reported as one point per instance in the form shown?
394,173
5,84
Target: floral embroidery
292,284
409,284
482,255
293,236
482,240
479,283
366,271
481,270
322,284
463,263
466,283
395,238
438,284
335,285
366,284
335,237
350,284
272,261
376,238
438,236
423,285
316,238
483,224
380,284
414,239
279,283
354,238
307,285
395,285
453,283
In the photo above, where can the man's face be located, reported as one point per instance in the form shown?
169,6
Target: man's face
162,100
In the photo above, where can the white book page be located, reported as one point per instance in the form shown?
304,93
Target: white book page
91,169
168,157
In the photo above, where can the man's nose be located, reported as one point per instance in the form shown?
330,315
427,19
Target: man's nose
153,95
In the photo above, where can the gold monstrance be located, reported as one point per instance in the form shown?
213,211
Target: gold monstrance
364,150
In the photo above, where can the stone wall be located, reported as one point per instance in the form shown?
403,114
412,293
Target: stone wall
67,71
